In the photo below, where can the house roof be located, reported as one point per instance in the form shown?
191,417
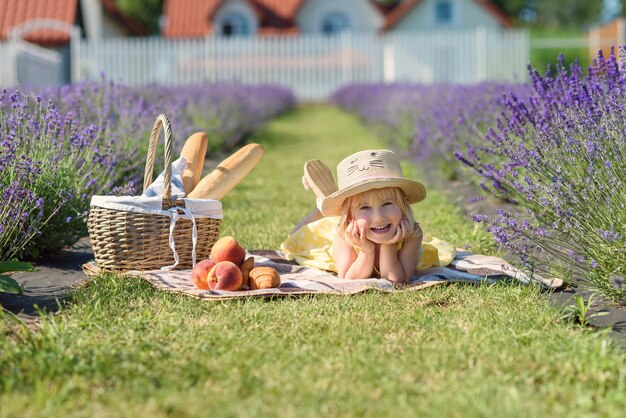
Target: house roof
16,12
496,12
402,10
277,17
20,11
188,18
192,18
286,9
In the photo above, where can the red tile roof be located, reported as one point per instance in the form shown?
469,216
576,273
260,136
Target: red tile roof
188,18
285,9
402,10
193,18
496,12
15,12
19,11
396,14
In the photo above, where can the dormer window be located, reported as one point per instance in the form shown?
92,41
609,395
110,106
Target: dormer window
234,24
443,11
334,23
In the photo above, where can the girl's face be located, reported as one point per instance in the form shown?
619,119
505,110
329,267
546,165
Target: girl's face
379,215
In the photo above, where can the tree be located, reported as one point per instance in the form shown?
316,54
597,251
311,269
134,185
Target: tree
146,12
564,13
388,3
513,8
570,13
621,6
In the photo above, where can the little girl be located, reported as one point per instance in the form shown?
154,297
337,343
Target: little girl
377,236
365,227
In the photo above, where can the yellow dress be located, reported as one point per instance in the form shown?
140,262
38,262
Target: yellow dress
312,246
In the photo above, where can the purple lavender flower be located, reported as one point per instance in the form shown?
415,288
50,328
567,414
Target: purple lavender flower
555,148
63,145
618,281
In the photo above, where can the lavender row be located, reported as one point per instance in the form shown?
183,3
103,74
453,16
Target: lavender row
554,147
431,121
61,146
561,154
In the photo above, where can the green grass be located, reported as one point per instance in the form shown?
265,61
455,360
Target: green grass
122,348
262,210
541,57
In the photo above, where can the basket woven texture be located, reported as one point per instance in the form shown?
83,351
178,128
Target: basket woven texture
123,241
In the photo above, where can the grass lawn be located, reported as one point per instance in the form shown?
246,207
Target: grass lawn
541,55
121,348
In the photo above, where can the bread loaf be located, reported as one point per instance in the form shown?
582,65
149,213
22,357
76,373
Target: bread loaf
194,151
228,173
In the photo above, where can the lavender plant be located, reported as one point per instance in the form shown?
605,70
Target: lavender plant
227,112
553,147
430,121
60,147
48,164
561,155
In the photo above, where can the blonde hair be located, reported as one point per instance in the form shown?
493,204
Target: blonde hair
376,195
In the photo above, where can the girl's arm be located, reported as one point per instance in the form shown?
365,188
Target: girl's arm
399,266
351,265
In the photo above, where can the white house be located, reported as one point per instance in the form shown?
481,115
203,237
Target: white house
445,14
45,30
329,17
199,18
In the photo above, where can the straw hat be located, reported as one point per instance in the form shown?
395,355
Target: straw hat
366,170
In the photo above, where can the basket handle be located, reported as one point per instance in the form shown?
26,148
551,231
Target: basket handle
161,120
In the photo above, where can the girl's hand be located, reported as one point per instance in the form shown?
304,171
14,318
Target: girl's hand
402,231
357,235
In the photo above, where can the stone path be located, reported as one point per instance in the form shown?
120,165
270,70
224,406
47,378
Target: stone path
45,288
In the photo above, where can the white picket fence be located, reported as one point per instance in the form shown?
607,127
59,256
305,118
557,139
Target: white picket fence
464,56
7,66
312,65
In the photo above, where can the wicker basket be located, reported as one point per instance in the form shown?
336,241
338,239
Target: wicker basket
125,240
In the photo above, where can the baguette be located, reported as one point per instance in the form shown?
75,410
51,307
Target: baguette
194,151
228,173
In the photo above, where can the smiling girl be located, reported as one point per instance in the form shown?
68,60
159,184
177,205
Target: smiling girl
364,227
377,236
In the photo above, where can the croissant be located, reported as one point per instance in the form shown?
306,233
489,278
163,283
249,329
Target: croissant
245,268
263,278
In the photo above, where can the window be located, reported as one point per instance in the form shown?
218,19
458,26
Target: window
235,24
443,12
334,23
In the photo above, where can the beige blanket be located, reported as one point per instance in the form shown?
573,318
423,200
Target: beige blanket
299,280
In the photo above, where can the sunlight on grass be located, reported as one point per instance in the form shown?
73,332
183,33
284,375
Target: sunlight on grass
122,348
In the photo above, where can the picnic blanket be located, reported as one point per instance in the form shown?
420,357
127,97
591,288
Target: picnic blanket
302,280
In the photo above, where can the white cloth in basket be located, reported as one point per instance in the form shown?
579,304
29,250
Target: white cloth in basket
156,188
194,208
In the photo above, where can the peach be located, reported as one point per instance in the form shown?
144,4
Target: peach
200,273
228,249
225,275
